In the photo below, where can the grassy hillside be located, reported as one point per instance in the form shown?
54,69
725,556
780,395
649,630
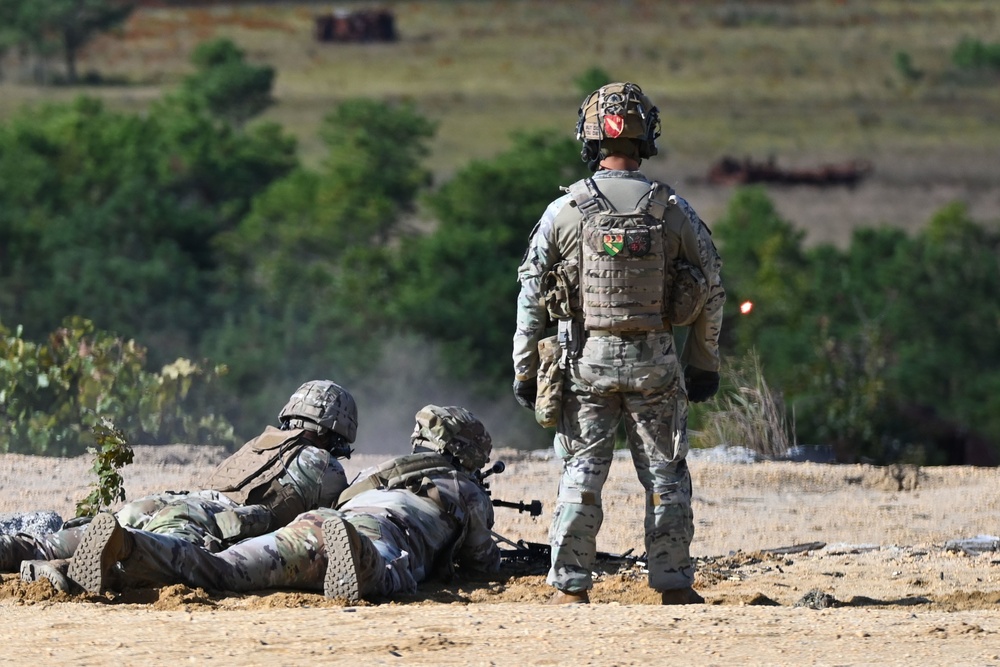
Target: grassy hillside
808,81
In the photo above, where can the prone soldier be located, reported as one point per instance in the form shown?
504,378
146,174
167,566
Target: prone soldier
270,480
400,523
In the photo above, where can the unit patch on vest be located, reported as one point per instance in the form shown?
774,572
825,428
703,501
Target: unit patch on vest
613,126
613,244
638,241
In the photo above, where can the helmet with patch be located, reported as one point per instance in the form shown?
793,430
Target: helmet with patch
326,408
619,118
455,431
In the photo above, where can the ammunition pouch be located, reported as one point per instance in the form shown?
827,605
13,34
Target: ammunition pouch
560,290
548,401
686,294
281,501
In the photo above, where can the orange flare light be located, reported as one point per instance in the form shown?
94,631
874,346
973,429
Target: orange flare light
746,307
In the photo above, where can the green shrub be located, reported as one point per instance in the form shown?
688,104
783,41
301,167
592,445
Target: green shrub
974,55
55,393
904,65
111,455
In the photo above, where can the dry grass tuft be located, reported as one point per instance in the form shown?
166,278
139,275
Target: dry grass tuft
751,415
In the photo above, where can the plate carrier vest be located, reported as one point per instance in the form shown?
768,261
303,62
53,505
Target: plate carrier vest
622,260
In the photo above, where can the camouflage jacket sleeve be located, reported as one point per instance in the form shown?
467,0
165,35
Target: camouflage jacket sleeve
332,485
701,349
478,550
532,317
317,477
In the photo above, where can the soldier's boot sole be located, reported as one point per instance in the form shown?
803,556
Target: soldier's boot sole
54,571
341,579
100,548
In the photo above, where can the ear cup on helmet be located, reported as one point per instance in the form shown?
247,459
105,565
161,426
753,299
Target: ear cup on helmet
591,154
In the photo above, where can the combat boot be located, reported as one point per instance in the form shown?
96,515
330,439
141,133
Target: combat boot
345,550
681,596
53,570
12,552
565,597
103,544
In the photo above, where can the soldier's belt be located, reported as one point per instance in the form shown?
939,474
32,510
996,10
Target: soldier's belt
600,333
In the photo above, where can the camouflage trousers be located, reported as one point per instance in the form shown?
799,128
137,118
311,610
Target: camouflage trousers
635,380
292,557
189,516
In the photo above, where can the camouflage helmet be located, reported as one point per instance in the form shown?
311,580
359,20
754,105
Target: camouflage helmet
617,114
455,431
322,406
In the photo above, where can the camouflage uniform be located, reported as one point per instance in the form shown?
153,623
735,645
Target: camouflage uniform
632,376
195,517
411,534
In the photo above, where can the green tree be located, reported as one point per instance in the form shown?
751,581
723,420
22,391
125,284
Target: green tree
115,216
112,453
225,84
974,55
590,80
61,26
950,282
458,284
312,256
764,265
864,341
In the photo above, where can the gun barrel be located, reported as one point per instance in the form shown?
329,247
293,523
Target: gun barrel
534,508
495,469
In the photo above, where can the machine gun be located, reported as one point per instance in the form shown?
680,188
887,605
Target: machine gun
535,555
538,554
534,507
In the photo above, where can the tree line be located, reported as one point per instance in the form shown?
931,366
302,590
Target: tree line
194,230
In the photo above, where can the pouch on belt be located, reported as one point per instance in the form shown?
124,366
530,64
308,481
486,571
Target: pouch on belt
548,401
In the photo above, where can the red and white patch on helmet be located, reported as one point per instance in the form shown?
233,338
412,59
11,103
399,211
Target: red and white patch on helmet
614,125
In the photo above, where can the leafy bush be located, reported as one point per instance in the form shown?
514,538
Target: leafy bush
904,65
111,455
54,394
860,341
974,55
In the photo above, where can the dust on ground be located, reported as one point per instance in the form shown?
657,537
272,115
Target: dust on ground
798,562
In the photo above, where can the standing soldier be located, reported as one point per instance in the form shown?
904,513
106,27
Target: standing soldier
618,262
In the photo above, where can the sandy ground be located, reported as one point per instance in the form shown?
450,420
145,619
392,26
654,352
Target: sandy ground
799,563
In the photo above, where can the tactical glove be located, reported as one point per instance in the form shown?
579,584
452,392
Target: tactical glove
525,392
701,385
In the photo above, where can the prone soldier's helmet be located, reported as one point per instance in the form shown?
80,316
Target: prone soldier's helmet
326,408
617,118
455,431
